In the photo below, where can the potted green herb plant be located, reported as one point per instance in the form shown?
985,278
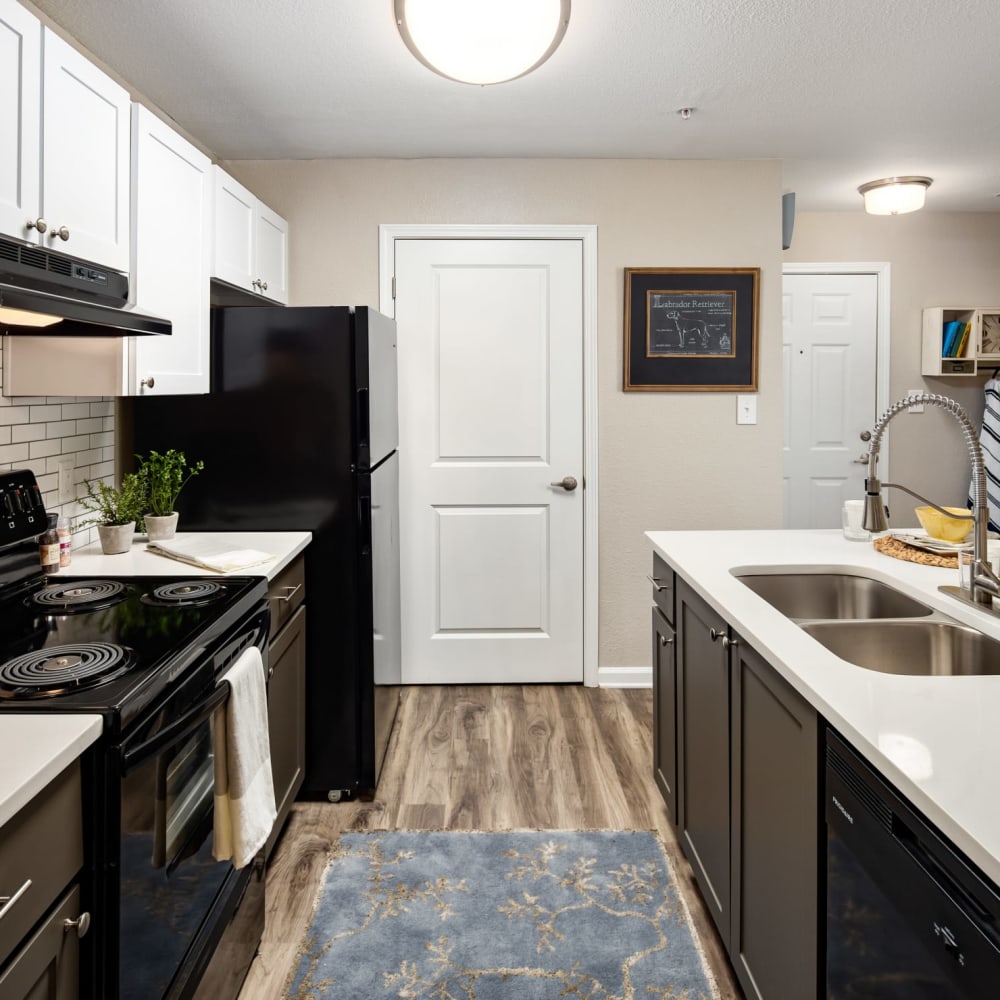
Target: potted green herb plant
164,476
115,510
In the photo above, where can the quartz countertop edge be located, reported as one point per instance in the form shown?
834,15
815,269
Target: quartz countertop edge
936,739
139,561
34,749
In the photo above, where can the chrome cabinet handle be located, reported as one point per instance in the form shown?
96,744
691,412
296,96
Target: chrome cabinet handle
665,641
6,902
82,924
728,643
568,483
40,224
714,634
62,232
292,591
656,583
148,382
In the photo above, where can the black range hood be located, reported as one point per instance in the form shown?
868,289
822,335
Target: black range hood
42,292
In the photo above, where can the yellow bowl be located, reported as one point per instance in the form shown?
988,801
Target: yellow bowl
948,529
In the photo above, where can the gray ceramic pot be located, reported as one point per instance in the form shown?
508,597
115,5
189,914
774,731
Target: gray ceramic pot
160,527
116,538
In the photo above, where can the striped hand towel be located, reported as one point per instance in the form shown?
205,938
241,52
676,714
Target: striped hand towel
989,440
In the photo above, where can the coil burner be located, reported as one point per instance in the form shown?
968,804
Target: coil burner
80,595
185,593
58,669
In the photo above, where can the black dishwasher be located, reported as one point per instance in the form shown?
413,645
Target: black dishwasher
908,917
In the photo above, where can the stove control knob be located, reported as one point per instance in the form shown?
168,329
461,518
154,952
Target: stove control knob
82,924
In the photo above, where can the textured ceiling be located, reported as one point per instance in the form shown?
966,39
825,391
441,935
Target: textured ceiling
841,92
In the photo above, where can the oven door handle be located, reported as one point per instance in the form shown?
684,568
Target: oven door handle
176,731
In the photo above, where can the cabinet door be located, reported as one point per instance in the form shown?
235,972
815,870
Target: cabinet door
286,712
48,966
233,257
664,712
171,221
272,254
775,807
85,166
20,117
703,765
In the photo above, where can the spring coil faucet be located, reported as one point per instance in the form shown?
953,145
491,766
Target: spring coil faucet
983,582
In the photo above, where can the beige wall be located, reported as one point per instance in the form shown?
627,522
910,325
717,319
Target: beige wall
667,460
937,259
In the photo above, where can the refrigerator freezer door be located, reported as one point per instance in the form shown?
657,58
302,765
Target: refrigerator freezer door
375,387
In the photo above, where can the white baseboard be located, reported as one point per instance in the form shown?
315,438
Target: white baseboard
625,677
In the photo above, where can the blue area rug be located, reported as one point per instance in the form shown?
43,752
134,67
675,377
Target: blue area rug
480,916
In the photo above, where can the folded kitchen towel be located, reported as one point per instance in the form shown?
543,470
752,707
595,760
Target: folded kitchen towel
244,791
209,552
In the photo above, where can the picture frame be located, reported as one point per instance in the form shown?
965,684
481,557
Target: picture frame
691,329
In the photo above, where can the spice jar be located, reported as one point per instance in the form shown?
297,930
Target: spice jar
65,540
48,546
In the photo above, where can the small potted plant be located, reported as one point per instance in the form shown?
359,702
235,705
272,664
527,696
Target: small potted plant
164,476
116,510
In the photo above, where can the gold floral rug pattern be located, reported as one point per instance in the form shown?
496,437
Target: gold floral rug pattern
523,915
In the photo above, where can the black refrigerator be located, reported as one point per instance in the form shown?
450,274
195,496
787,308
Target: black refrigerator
299,433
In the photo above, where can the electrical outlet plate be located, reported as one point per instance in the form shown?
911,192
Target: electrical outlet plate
66,467
917,408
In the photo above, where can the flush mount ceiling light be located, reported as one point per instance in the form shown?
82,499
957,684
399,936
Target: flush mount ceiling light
894,195
482,41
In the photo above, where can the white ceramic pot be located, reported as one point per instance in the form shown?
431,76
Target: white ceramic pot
159,527
116,538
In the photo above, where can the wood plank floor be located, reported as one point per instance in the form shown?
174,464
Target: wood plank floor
487,758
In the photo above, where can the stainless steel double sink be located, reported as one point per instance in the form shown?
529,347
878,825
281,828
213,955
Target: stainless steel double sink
872,625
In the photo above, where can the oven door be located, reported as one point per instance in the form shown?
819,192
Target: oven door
174,900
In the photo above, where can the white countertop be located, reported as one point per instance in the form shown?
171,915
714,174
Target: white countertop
138,561
34,749
937,739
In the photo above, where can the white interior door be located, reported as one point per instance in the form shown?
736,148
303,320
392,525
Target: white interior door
490,350
830,378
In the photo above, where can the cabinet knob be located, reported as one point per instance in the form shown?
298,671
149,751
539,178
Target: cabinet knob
256,283
714,634
62,232
82,924
728,643
40,224
148,382
263,285
665,640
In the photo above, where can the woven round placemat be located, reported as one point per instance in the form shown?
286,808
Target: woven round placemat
890,546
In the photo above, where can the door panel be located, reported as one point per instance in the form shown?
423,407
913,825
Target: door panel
491,414
830,369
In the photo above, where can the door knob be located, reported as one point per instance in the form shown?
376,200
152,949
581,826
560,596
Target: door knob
865,435
568,483
862,460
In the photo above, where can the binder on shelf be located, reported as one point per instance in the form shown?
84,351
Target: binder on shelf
962,340
949,337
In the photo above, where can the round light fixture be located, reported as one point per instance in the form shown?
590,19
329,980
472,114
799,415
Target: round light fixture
482,41
894,195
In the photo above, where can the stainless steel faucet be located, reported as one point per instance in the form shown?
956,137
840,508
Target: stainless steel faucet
984,585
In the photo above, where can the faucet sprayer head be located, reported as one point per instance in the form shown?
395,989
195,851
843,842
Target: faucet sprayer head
874,519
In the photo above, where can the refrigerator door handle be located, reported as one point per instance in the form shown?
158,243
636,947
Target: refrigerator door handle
364,423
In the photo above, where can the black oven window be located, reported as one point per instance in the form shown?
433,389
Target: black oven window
169,879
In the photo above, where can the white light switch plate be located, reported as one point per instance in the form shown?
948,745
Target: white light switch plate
746,409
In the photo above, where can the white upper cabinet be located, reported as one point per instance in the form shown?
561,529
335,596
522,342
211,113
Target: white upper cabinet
20,119
171,240
64,145
250,242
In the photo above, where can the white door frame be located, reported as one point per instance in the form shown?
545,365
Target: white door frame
881,270
587,235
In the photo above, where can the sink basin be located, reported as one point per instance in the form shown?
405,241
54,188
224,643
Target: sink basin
931,648
832,595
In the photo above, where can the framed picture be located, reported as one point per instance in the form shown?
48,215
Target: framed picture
691,329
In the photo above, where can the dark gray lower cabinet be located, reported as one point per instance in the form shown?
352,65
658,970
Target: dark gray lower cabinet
286,693
704,758
665,711
748,803
775,833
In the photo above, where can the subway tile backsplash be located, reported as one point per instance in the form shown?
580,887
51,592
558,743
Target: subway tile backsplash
39,432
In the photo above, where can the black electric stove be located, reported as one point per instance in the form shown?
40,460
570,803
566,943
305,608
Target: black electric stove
112,647
149,655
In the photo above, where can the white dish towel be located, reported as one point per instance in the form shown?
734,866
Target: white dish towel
244,790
